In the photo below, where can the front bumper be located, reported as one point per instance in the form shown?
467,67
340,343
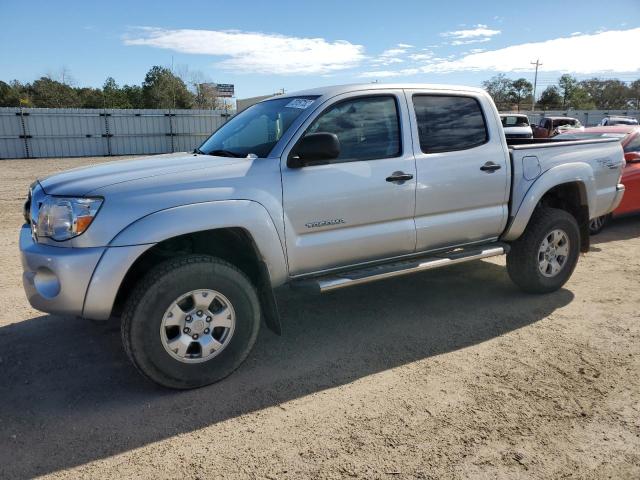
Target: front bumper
74,281
55,279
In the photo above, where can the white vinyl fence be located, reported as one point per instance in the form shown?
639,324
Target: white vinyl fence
76,132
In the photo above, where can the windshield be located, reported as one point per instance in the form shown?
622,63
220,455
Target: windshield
256,130
514,121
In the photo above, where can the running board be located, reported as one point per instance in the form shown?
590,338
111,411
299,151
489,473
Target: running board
334,281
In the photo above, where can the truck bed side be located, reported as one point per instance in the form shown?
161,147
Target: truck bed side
595,165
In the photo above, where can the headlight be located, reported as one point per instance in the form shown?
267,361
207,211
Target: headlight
62,218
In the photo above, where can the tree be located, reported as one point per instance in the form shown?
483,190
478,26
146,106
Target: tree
634,94
162,89
550,98
521,90
90,97
580,100
8,96
607,94
114,96
52,94
500,88
134,95
567,85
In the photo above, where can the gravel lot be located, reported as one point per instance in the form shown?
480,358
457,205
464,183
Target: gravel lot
451,373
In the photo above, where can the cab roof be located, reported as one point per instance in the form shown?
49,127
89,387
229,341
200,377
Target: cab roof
333,90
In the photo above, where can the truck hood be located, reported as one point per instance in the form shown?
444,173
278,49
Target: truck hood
84,180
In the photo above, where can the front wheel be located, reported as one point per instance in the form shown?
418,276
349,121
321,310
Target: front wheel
191,321
544,257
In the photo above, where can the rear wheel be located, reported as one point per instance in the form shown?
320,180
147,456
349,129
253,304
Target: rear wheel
191,322
544,257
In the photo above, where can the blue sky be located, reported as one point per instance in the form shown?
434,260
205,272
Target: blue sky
262,47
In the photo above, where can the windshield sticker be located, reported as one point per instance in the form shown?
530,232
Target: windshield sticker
300,103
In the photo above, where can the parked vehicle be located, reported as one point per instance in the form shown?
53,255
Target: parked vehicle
322,189
551,126
618,120
516,125
629,137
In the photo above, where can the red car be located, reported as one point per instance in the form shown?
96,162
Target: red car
629,136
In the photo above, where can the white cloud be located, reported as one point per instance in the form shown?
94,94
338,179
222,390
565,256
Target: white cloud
581,54
255,52
470,41
391,55
479,31
405,45
417,57
390,73
578,54
575,33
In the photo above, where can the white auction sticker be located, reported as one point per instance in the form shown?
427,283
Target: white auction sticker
300,103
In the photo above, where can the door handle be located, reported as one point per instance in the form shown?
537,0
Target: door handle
399,177
490,167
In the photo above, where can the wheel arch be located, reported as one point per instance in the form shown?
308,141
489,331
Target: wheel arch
570,187
244,235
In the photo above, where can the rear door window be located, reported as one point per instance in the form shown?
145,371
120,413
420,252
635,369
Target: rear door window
449,123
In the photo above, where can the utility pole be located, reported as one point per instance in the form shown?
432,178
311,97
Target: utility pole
535,84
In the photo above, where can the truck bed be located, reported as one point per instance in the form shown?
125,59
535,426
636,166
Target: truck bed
531,159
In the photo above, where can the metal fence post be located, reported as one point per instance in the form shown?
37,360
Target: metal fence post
24,135
107,134
171,134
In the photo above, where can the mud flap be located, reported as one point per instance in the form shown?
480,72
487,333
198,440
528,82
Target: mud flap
268,300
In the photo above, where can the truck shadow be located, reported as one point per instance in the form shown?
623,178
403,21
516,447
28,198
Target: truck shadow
622,228
69,395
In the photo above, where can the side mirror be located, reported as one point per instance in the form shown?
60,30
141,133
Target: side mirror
632,157
314,148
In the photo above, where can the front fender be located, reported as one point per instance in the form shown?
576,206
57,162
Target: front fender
139,236
246,214
566,173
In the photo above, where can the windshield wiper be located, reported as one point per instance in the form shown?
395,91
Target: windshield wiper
224,153
197,150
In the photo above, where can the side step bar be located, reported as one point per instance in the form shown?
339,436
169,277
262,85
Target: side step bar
367,274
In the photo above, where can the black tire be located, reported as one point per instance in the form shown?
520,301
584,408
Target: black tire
523,258
597,224
145,308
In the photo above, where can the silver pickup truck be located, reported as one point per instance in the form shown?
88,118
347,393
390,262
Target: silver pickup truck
321,189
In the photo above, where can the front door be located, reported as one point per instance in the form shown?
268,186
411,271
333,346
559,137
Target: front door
352,210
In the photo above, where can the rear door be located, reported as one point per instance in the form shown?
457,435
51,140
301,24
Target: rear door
352,210
463,170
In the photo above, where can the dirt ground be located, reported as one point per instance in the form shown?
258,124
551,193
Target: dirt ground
452,373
